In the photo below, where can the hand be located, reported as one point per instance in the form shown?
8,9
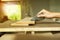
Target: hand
45,13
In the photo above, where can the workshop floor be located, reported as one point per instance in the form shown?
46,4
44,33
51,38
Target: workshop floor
39,36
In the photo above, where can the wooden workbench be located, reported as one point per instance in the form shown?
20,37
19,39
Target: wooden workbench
6,27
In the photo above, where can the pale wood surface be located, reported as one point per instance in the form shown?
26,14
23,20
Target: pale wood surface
23,22
6,27
14,24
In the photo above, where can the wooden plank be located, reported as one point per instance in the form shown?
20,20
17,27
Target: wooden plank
23,22
18,29
38,27
14,24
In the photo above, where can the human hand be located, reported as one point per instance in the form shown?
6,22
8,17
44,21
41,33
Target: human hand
46,14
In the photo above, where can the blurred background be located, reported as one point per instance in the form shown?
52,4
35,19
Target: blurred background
18,9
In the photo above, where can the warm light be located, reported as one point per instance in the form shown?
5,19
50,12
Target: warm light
10,0
13,11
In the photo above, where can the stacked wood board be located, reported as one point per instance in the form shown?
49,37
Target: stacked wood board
24,22
5,27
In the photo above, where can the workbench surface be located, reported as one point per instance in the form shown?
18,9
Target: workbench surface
43,26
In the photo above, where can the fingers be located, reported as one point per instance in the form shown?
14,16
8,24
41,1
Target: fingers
41,12
41,15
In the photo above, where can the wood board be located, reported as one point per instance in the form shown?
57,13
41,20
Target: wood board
24,22
36,27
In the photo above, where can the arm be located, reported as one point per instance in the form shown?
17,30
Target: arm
48,14
56,14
